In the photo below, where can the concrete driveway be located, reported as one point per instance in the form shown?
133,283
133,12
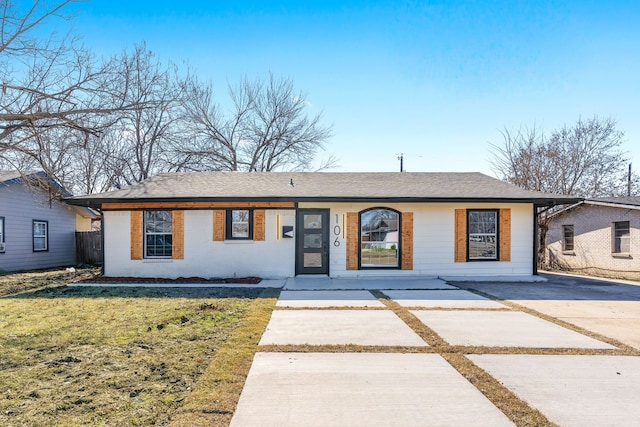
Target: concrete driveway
445,354
606,307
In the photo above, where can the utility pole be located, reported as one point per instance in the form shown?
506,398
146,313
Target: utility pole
629,182
401,158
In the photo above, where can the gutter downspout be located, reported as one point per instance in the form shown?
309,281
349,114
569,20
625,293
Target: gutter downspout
101,237
535,240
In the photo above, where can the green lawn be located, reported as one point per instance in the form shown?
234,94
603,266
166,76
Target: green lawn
126,356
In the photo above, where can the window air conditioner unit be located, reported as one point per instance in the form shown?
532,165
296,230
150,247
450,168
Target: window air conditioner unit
2,247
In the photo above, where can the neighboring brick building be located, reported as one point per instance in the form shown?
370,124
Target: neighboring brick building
598,237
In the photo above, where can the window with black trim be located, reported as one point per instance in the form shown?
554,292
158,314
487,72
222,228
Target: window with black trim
40,235
482,234
239,224
567,238
2,245
158,234
621,238
380,238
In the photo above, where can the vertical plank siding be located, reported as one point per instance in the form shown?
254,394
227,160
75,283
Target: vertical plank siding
505,234
218,225
407,241
136,235
177,238
460,235
89,247
353,229
258,225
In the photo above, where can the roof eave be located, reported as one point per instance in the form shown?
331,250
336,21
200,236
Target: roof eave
96,203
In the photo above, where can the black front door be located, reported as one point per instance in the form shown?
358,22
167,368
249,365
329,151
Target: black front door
312,241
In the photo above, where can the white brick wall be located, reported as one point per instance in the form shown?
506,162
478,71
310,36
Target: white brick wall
593,240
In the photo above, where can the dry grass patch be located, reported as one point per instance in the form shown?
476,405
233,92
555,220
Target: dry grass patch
215,396
516,409
110,356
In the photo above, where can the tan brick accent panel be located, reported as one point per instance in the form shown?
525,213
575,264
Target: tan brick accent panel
258,225
218,225
407,241
136,234
177,231
353,228
505,234
461,236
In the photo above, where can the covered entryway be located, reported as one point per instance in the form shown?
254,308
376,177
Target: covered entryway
312,241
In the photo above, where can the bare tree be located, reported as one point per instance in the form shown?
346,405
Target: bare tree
584,160
266,128
143,140
54,96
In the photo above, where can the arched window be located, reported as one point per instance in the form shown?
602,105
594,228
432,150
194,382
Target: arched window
379,238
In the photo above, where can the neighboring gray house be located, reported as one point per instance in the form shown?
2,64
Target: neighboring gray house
36,230
597,236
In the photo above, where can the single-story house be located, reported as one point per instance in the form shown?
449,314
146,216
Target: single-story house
283,224
37,230
596,236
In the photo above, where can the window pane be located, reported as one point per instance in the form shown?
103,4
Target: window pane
158,221
39,229
378,255
313,241
312,260
159,245
240,229
482,222
313,221
240,216
482,247
39,243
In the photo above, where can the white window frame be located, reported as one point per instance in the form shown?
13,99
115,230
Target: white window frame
44,235
565,228
147,233
617,241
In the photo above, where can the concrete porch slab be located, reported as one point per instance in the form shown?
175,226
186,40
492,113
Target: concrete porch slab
365,283
323,299
503,329
440,298
340,327
360,389
572,390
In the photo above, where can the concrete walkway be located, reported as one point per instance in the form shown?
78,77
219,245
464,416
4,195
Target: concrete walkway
398,377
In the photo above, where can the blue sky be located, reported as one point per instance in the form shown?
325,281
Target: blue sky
435,80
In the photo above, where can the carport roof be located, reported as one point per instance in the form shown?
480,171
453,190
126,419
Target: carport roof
324,186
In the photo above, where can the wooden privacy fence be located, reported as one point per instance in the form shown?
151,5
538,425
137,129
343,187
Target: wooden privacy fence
89,247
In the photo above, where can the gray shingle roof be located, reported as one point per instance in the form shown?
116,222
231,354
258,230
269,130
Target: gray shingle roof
322,186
